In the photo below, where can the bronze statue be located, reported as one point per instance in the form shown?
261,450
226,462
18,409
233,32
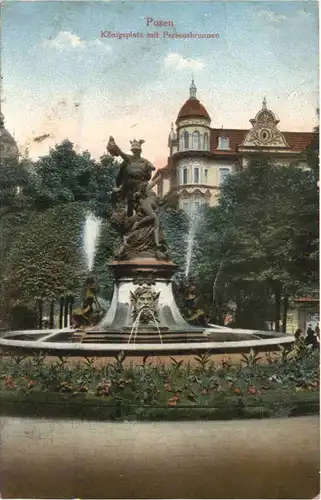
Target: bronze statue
90,312
134,186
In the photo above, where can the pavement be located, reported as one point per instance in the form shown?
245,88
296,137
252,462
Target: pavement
274,458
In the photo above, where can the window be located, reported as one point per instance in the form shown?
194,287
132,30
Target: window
185,176
223,143
196,175
196,140
206,176
224,172
186,140
181,142
205,140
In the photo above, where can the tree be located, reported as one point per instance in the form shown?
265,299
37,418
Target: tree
65,176
175,226
264,231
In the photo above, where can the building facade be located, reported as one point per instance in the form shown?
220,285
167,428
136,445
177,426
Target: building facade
201,157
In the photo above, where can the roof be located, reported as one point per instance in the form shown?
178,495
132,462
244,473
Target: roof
236,138
299,141
192,108
307,299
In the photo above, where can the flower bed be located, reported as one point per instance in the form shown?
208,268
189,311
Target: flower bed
287,384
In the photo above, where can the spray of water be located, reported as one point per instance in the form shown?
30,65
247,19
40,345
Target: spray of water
91,235
194,218
135,327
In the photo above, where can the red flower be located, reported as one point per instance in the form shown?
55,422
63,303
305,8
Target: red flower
252,390
237,390
9,382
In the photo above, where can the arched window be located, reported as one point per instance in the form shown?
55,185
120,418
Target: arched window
185,176
205,140
196,140
186,139
196,175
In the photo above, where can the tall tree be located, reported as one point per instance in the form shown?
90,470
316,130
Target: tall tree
265,230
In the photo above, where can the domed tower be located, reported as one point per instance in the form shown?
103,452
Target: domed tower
8,146
193,124
190,151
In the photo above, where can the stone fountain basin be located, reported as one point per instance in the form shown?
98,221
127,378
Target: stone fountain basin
215,339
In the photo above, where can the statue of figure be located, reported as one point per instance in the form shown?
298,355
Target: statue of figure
90,312
134,186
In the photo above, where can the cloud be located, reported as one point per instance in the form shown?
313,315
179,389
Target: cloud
65,40
174,60
270,17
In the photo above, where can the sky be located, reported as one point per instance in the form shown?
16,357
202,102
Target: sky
62,79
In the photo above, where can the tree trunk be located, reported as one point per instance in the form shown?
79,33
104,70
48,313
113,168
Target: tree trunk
277,294
40,309
52,315
61,311
71,303
66,312
285,312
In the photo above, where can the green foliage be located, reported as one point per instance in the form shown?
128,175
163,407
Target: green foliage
41,224
261,241
107,243
23,318
46,261
273,386
175,226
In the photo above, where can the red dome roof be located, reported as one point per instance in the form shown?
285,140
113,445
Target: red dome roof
193,108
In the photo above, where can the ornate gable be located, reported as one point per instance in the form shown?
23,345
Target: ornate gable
264,132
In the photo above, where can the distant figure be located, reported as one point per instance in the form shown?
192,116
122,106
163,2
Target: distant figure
310,339
298,334
317,336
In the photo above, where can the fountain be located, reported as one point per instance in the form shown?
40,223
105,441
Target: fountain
143,318
91,234
194,219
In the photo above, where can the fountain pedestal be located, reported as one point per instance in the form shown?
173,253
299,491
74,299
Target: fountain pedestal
143,308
